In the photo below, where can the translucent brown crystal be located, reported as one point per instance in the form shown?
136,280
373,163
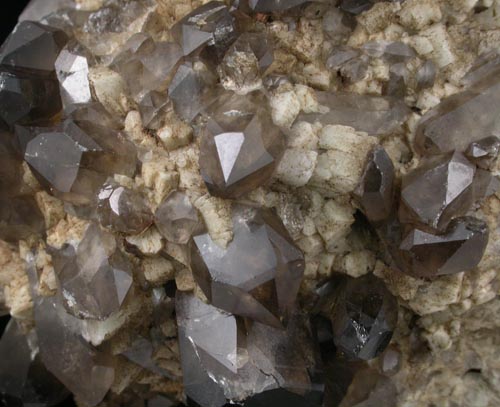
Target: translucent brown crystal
20,217
240,146
258,275
176,218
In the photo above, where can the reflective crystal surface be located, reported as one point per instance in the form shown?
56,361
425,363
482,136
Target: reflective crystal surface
24,380
122,209
246,360
373,114
210,25
32,47
74,159
483,152
72,69
96,278
460,248
463,118
245,62
176,218
240,146
437,191
364,316
376,189
258,275
153,108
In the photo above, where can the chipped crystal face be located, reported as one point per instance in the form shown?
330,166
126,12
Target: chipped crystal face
24,380
74,159
176,218
460,248
243,361
364,316
122,209
211,26
72,69
466,117
240,147
258,275
376,190
96,278
437,191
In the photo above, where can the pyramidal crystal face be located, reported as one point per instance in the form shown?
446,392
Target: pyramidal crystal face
240,146
258,275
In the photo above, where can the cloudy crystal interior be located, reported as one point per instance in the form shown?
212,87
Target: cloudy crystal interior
250,203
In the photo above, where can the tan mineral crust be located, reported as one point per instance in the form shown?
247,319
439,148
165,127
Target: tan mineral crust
448,330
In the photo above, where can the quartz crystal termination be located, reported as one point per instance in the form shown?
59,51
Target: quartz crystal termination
244,361
240,146
258,275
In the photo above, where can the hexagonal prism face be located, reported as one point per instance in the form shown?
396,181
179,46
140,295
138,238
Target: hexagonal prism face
258,274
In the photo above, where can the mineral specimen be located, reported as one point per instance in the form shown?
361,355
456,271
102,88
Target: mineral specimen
258,275
240,146
483,152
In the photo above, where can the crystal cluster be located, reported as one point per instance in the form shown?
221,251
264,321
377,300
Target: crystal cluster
161,171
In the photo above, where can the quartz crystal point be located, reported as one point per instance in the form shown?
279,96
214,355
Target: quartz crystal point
122,209
74,159
33,48
96,279
153,107
24,380
245,62
176,218
210,26
437,191
72,69
460,248
269,6
461,119
483,152
364,316
258,275
240,146
375,192
85,371
146,65
374,115
242,362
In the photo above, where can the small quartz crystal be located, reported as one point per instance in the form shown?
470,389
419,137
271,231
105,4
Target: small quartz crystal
240,146
460,248
258,275
483,152
437,191
376,189
96,278
176,218
153,108
364,316
122,209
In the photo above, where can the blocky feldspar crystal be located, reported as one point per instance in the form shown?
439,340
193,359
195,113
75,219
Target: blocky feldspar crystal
191,89
372,114
85,371
375,192
20,217
460,248
96,278
440,189
364,316
146,65
243,361
24,380
258,275
28,99
240,146
176,218
122,209
245,62
461,119
74,159
211,26
72,69
483,152
32,47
